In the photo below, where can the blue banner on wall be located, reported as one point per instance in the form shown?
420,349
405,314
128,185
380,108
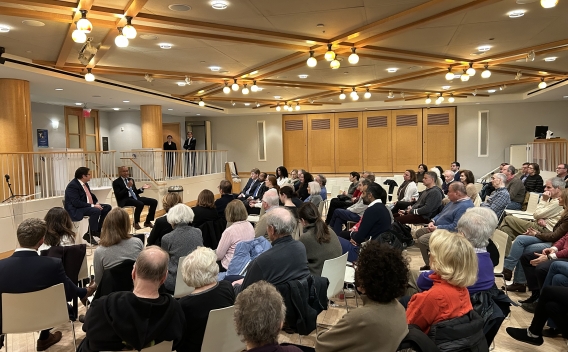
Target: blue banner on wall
42,140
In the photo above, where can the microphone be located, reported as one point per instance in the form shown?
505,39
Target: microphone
7,177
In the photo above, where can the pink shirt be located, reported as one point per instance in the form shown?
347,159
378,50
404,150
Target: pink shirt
237,232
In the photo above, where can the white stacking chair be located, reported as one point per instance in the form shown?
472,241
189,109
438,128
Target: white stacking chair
334,271
181,289
420,186
35,311
350,279
320,208
500,239
220,334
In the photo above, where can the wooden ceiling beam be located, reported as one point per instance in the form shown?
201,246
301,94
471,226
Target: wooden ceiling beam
204,89
448,59
532,69
514,54
271,63
68,41
40,15
468,90
398,59
394,79
65,5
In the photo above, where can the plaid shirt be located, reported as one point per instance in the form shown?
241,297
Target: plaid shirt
498,201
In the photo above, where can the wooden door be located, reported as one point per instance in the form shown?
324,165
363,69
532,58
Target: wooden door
321,140
295,141
439,137
348,141
377,141
82,132
406,134
173,130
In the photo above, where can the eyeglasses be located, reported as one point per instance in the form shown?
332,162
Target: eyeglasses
560,168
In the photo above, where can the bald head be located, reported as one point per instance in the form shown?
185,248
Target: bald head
152,264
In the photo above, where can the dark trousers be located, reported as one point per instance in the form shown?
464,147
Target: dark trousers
536,274
553,304
335,204
139,204
410,219
345,234
96,216
400,205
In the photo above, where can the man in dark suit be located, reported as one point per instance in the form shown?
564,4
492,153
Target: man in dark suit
225,188
189,144
80,201
126,193
252,184
25,271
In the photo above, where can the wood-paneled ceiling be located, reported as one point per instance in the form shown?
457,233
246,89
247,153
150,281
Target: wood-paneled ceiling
268,41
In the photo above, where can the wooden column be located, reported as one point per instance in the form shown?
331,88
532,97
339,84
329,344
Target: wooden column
151,119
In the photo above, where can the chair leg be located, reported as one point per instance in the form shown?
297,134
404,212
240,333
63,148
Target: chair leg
345,300
74,338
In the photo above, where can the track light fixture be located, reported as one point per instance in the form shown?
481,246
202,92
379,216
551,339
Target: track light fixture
451,99
391,95
342,95
201,102
542,83
367,94
486,73
428,100
89,76
257,104
334,64
518,75
84,25
245,89
450,74
233,103
464,77
235,86
471,71
278,108
530,56
148,78
474,93
129,31
187,80
254,87
330,54
503,87
312,62
353,58
402,95
121,41
548,3
226,88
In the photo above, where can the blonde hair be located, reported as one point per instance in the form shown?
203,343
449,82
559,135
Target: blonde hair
453,258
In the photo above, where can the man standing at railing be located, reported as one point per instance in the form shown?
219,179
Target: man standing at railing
189,144
127,194
80,202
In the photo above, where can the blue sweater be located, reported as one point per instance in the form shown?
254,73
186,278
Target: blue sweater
452,212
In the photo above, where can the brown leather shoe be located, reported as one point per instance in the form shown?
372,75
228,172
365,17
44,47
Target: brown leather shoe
137,226
517,287
148,224
507,274
54,338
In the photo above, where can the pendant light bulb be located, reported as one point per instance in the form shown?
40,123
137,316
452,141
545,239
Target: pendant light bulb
542,84
353,93
129,31
278,108
470,71
298,106
235,86
547,4
312,62
355,97
285,106
486,73
353,58
254,87
226,88
89,77
342,96
464,77
450,74
335,64
330,54
79,36
428,100
121,41
451,99
245,89
367,94
201,102
441,97
84,25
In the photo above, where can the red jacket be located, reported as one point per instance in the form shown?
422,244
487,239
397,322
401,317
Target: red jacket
442,302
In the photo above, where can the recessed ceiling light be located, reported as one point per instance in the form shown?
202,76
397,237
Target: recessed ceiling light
516,13
181,84
550,58
253,72
126,101
484,48
201,91
247,104
392,69
58,88
215,68
4,29
219,4
116,109
148,36
179,7
277,97
446,87
78,104
457,75
491,90
165,45
170,109
303,76
197,114
33,23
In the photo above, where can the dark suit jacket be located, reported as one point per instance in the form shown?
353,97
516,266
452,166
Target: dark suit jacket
121,192
169,147
75,198
189,145
255,184
26,271
222,202
161,227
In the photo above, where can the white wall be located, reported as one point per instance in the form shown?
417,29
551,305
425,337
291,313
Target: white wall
238,135
42,116
508,124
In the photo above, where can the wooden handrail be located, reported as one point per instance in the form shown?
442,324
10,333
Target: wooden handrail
62,152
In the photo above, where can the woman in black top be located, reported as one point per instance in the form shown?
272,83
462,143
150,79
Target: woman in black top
286,197
205,209
170,155
302,189
534,182
161,225
422,168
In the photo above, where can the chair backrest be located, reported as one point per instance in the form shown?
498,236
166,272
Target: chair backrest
117,278
181,289
84,270
420,186
477,201
334,270
394,195
334,190
164,346
500,239
533,202
220,334
320,207
27,312
478,186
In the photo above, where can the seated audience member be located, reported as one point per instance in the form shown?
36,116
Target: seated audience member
466,177
562,172
252,184
551,305
240,230
448,179
368,175
524,172
225,188
253,205
269,202
286,196
407,192
282,177
354,179
427,204
259,316
439,175
515,187
320,241
533,241
422,168
25,271
322,181
380,323
534,182
263,186
127,194
454,266
302,189
205,209
161,225
183,240
455,167
343,202
314,192
116,244
285,261
294,179
199,270
59,229
499,199
376,220
138,319
446,220
353,213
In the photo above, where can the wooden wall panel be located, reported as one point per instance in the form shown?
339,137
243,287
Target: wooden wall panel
295,141
439,137
406,139
348,145
377,141
321,141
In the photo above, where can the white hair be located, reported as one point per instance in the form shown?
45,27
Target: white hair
477,224
180,213
200,267
315,188
271,198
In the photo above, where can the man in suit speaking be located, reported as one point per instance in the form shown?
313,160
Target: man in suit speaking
80,201
126,194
